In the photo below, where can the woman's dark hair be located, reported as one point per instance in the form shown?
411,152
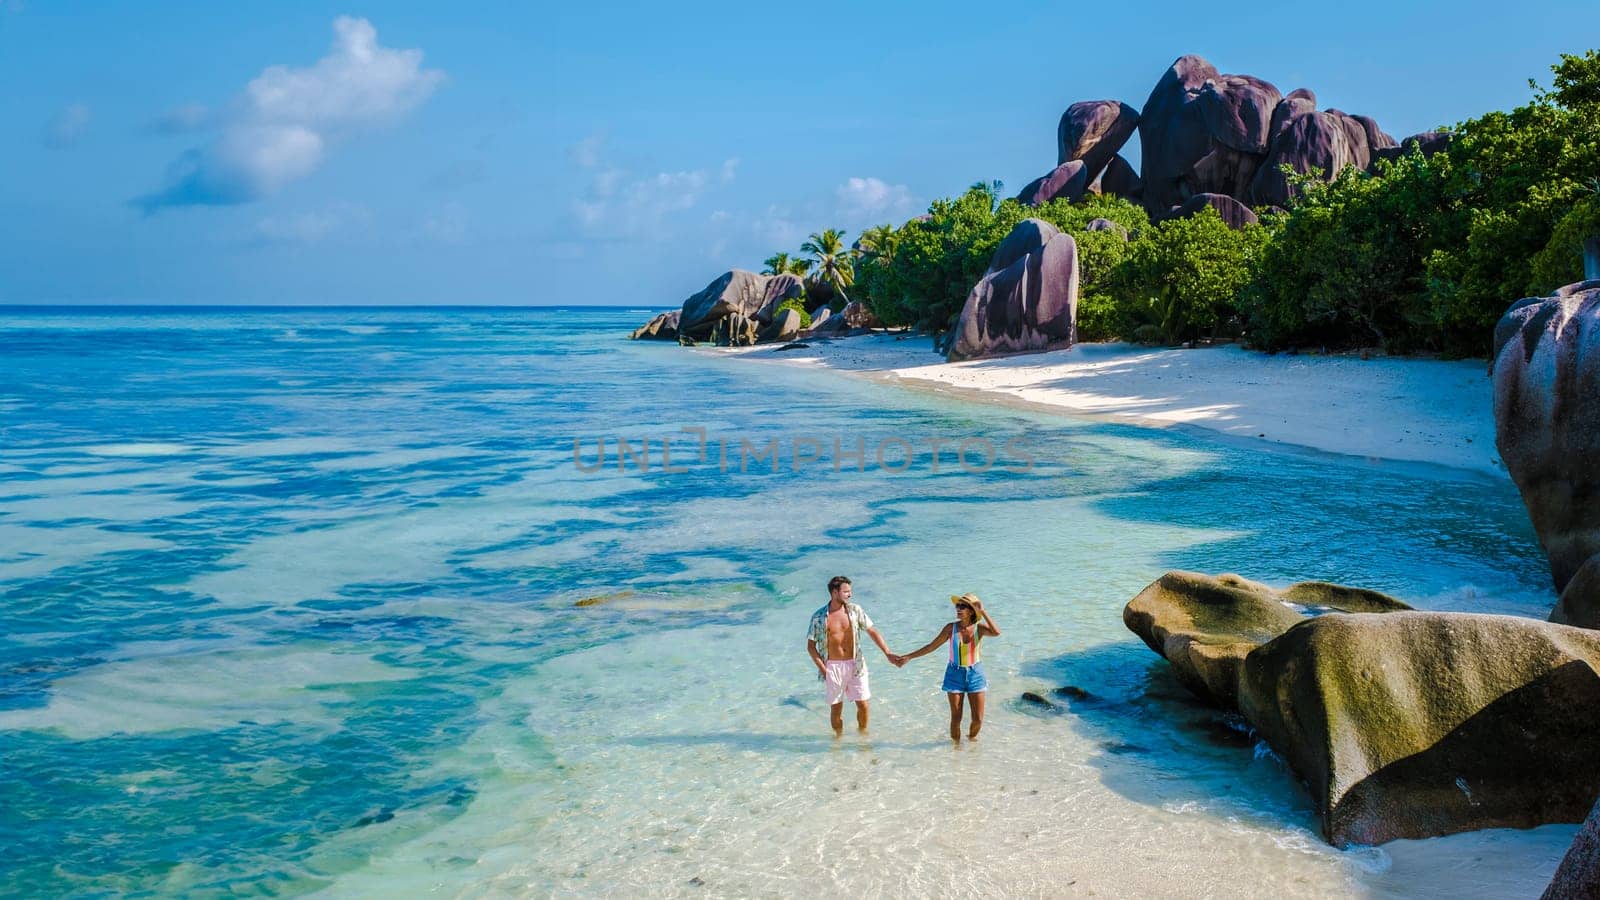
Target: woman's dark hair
835,581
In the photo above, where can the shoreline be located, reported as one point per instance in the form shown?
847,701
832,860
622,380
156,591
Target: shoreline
1395,409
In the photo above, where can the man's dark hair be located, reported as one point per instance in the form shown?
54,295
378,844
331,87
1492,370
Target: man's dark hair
835,581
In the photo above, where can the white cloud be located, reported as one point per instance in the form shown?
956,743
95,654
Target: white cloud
67,127
281,127
618,202
864,197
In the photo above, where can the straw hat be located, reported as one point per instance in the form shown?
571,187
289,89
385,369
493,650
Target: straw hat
968,598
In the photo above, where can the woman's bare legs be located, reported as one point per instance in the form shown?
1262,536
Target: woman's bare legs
977,715
955,717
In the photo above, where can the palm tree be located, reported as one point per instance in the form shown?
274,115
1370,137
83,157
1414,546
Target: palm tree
784,264
831,259
878,243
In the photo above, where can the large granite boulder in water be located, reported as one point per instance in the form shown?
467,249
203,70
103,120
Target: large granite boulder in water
785,326
1417,724
736,291
1400,722
1028,298
1093,131
1547,428
663,327
778,289
1203,132
1070,180
1206,625
1579,873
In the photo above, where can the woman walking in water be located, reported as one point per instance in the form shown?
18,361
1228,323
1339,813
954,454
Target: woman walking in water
963,677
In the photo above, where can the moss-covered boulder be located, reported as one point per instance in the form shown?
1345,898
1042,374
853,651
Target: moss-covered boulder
1205,625
1416,724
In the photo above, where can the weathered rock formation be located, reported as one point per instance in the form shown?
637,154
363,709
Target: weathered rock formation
778,289
1429,142
1093,131
663,327
1236,214
1028,298
1305,138
731,310
1106,225
1205,626
1398,721
785,326
1578,876
1070,180
1203,132
1401,723
1547,429
857,315
1120,179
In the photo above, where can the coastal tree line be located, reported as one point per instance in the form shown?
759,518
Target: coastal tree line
1422,254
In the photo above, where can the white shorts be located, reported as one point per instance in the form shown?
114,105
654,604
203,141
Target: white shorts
846,680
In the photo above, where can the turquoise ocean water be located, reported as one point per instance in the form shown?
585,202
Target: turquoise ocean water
294,601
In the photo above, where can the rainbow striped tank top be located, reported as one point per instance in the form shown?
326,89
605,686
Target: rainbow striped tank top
963,652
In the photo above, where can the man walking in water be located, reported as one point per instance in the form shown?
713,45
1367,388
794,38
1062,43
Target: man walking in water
834,643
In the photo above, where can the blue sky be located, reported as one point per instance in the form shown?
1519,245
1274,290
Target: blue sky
511,153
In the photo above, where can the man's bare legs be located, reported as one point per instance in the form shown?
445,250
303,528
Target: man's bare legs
977,716
836,716
955,717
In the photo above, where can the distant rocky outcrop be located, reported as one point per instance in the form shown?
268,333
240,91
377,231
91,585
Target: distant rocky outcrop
1093,131
737,309
1203,132
1398,721
1069,181
1547,428
1027,299
663,327
1428,142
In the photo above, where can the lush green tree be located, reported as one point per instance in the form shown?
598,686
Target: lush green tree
784,264
1561,260
798,305
832,261
1184,276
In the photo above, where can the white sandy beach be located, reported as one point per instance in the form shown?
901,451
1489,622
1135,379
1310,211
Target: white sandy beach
1413,410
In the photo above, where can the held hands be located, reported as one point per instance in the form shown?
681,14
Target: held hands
897,660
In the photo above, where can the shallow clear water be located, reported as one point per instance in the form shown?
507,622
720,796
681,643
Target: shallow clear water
292,603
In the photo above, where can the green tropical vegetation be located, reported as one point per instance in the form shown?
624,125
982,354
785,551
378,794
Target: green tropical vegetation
834,263
784,264
1423,254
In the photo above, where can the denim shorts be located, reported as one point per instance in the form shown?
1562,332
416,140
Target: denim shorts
965,679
